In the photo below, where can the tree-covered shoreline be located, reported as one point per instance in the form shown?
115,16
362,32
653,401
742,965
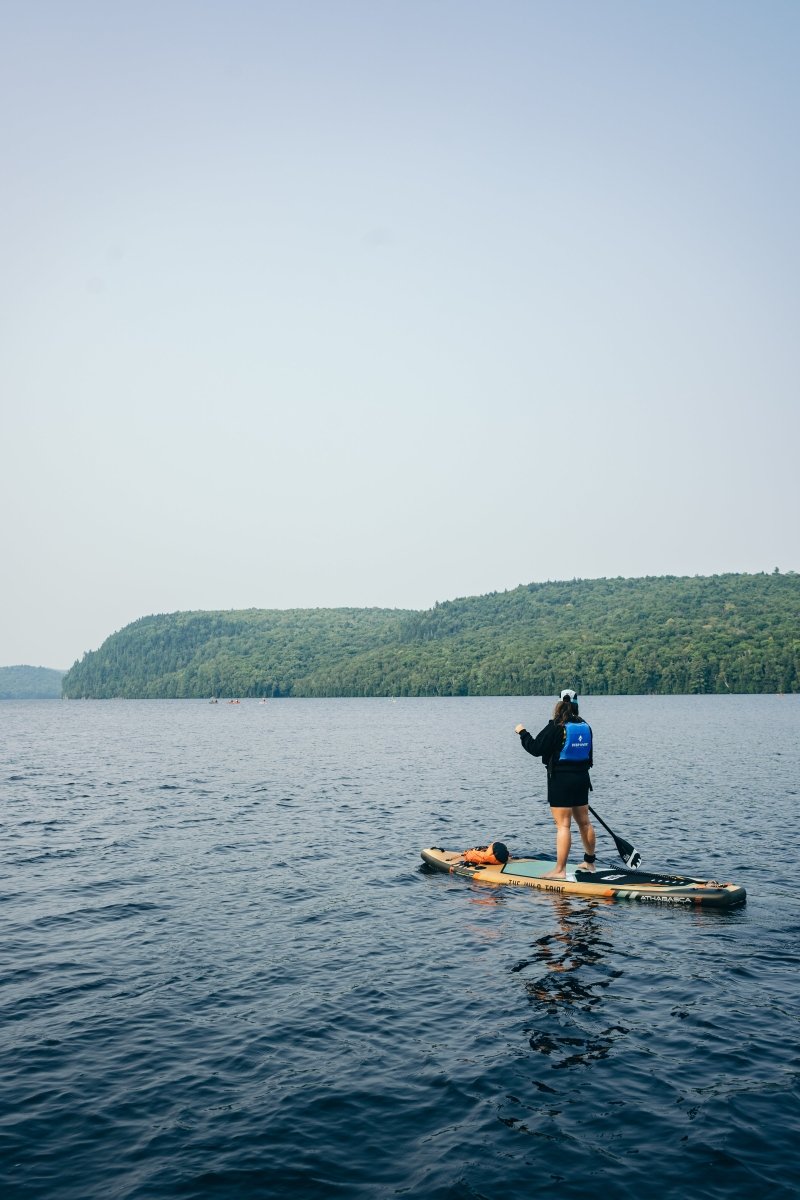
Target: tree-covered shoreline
655,635
30,683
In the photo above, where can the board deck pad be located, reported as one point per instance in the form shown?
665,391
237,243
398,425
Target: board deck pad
623,876
617,875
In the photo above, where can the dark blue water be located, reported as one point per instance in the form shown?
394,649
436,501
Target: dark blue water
224,973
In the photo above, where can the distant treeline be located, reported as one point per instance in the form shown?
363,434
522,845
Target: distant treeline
30,683
665,635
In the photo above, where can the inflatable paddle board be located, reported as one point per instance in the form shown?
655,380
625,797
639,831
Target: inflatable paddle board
612,884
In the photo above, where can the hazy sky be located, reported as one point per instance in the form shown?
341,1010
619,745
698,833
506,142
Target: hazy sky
382,302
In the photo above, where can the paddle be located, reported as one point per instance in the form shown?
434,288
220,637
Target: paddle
628,853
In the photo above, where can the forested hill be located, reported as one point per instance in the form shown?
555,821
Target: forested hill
722,633
30,683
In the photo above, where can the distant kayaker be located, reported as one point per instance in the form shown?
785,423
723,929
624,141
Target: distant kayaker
565,748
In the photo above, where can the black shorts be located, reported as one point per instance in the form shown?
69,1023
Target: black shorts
568,789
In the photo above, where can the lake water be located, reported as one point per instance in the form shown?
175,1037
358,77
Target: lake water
225,973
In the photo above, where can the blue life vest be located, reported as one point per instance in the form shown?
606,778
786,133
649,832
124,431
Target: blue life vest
577,746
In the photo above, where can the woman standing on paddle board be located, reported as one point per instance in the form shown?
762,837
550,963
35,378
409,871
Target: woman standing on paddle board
565,748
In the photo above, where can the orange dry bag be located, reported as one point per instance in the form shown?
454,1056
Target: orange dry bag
495,854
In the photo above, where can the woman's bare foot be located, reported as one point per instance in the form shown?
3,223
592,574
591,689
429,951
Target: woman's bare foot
586,866
554,875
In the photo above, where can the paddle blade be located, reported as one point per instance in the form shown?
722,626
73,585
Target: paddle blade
631,855
628,853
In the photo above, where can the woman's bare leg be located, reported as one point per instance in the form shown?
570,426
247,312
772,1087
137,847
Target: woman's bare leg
581,815
562,818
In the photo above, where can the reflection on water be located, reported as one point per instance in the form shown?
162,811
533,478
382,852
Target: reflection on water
566,975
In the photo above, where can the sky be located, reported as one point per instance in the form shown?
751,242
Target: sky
386,302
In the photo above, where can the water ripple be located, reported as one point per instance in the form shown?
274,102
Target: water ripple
225,976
